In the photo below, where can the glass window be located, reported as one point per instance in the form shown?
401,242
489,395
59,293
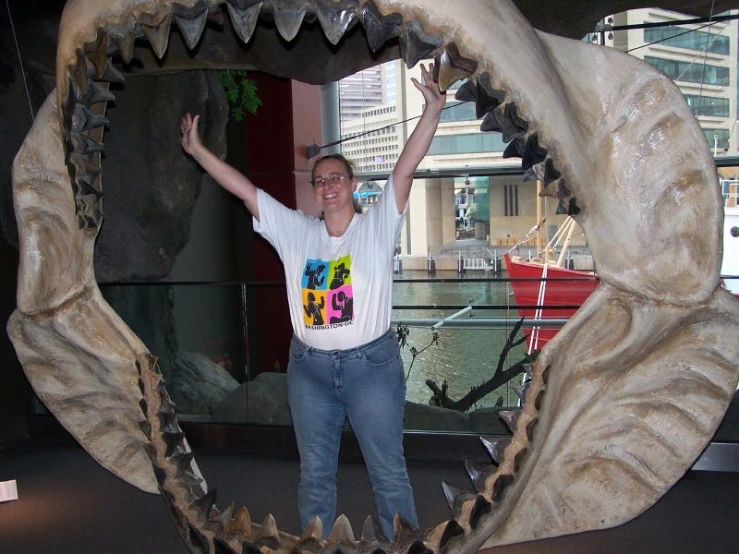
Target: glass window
691,72
708,105
692,40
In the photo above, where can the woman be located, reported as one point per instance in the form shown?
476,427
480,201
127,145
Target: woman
344,363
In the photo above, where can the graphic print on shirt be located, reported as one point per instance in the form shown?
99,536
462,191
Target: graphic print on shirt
328,299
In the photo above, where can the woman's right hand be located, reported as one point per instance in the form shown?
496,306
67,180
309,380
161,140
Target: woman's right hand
189,132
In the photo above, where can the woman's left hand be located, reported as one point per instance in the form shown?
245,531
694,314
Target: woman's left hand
435,98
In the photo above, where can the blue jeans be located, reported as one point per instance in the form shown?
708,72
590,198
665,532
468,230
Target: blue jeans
367,385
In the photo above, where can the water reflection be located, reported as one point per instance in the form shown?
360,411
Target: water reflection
463,357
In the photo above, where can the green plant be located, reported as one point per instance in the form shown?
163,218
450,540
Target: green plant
241,93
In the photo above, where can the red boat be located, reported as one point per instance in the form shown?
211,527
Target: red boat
547,290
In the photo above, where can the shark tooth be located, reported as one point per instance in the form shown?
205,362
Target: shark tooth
416,44
156,28
479,473
173,440
288,16
495,448
341,532
182,463
85,144
218,522
244,15
510,417
97,52
202,505
336,18
268,535
455,497
125,46
473,91
371,531
379,28
85,118
96,93
452,66
191,21
505,120
310,540
240,525
404,532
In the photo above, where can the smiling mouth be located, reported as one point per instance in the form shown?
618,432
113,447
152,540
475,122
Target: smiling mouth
619,404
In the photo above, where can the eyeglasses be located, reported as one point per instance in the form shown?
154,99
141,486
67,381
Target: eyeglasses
332,180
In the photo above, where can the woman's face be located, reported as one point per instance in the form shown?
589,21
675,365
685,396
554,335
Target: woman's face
332,186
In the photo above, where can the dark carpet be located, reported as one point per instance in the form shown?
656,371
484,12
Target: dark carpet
67,503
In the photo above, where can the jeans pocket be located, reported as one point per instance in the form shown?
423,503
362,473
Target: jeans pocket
382,356
297,352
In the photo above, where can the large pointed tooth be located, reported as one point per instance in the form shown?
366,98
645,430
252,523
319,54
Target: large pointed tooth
86,145
268,535
495,448
97,52
478,473
453,67
96,93
474,91
510,417
244,15
533,153
125,45
341,532
505,120
310,540
288,16
173,441
218,522
203,505
379,28
416,44
156,28
405,532
455,497
371,531
240,524
111,74
191,21
336,18
84,119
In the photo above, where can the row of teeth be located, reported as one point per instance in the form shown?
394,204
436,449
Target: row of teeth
172,460
85,107
205,524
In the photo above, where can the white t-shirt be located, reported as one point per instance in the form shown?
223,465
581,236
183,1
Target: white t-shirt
339,289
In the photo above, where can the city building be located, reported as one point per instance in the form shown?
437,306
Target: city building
501,208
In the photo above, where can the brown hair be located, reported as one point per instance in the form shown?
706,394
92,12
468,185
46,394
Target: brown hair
348,167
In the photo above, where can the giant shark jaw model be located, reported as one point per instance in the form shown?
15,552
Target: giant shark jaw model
620,403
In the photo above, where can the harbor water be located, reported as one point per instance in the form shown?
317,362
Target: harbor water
464,358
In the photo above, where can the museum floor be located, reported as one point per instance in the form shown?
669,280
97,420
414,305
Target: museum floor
67,503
